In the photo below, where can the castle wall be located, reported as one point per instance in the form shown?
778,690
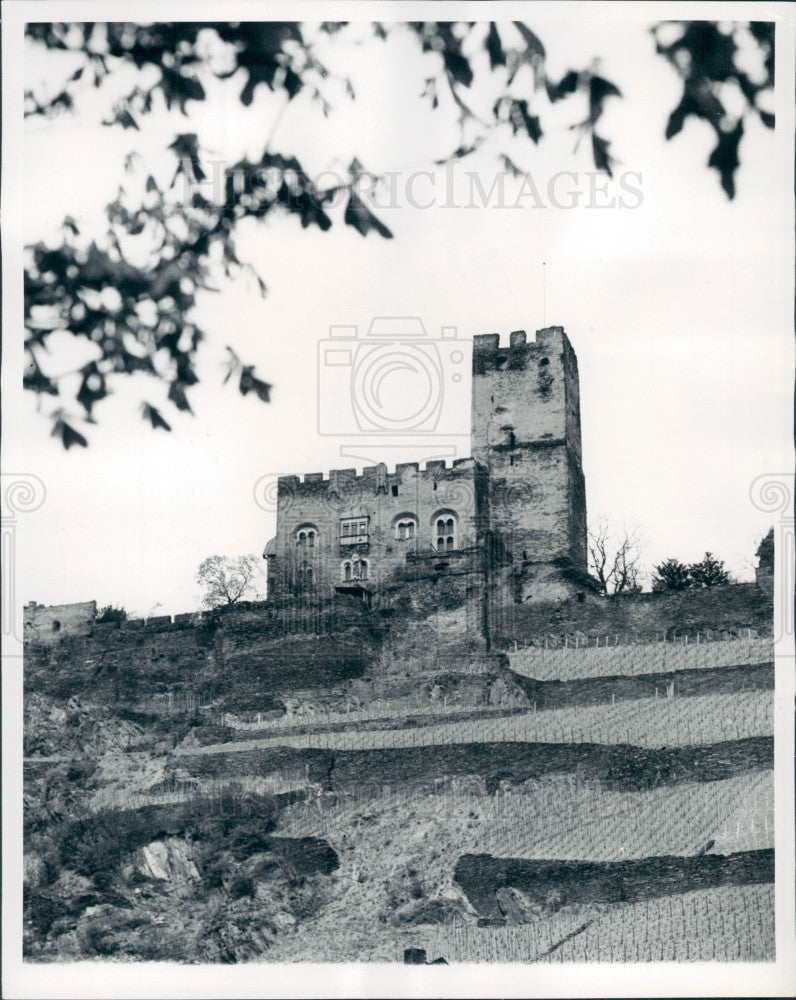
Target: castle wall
738,606
526,435
245,655
382,498
523,490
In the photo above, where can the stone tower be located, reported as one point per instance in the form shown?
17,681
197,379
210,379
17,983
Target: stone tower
526,435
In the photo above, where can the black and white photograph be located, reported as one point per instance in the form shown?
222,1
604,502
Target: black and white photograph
398,499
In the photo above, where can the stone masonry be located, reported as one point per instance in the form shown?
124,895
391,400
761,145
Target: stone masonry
511,520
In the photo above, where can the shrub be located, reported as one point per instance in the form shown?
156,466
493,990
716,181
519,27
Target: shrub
710,572
111,614
241,887
671,574
248,838
43,911
94,846
765,550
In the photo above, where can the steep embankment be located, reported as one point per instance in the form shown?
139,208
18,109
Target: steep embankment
336,795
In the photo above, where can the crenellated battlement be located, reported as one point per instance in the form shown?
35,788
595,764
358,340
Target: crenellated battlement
548,338
372,475
520,495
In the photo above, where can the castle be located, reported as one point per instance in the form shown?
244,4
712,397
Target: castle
510,520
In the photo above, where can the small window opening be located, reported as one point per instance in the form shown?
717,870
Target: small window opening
395,491
446,534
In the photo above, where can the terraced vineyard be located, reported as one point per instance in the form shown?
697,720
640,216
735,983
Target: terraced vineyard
610,827
653,722
569,819
717,925
628,660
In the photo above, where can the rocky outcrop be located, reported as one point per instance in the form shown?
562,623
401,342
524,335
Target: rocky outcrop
168,860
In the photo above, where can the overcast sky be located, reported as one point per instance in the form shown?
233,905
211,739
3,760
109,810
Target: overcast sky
674,305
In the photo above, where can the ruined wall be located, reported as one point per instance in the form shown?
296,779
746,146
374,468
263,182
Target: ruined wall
382,498
49,624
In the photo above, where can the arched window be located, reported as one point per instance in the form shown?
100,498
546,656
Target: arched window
306,536
444,528
405,527
354,569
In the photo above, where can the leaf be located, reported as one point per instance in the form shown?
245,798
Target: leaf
292,83
122,117
724,158
178,397
519,118
460,152
262,69
34,380
185,372
679,115
497,57
602,158
180,88
248,383
511,166
568,84
186,147
458,67
600,88
430,90
535,47
362,219
233,364
154,417
68,434
92,388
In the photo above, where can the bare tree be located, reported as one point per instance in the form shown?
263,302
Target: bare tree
226,580
615,557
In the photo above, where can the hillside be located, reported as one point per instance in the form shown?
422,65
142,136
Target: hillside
345,789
